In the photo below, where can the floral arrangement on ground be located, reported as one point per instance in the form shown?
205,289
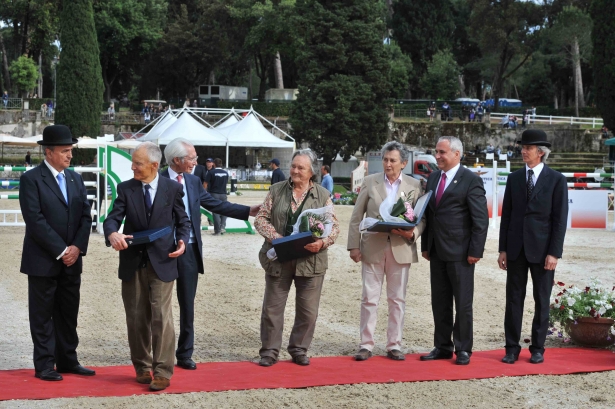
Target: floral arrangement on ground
348,198
570,303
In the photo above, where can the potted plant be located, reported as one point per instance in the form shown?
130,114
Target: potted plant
585,314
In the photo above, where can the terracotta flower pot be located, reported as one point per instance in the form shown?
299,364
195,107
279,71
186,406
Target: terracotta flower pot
591,332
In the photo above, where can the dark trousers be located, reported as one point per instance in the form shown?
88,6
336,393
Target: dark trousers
186,292
452,280
308,290
516,283
53,306
219,220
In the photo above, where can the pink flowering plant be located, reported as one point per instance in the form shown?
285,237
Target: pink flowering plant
569,303
314,223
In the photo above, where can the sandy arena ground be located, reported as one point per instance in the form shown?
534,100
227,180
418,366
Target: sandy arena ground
227,326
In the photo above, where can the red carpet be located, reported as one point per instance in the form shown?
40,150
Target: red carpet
224,376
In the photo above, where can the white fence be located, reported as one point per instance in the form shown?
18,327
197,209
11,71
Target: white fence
550,119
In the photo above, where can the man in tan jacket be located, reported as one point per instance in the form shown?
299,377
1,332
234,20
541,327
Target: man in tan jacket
384,254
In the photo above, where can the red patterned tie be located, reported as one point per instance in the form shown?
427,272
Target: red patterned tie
440,188
179,178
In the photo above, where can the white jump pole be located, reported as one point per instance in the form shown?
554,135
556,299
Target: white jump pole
494,195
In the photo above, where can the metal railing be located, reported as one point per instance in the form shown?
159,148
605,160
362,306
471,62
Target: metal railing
551,120
442,115
11,103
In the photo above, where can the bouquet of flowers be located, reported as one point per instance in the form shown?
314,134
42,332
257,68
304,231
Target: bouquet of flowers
570,303
402,209
392,211
319,222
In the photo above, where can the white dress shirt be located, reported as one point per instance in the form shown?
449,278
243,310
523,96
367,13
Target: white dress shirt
537,169
173,175
392,188
153,187
450,175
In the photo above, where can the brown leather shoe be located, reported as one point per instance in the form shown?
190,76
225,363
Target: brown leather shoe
144,377
159,383
302,360
396,355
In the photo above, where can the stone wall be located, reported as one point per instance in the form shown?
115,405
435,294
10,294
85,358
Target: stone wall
564,138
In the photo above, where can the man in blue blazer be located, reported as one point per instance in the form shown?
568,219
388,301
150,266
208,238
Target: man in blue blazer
55,208
532,230
453,242
181,157
148,271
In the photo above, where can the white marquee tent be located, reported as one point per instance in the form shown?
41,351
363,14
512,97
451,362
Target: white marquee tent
189,128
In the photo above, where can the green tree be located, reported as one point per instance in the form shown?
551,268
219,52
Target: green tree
602,12
24,74
127,30
571,33
440,81
79,80
343,84
400,70
506,32
422,28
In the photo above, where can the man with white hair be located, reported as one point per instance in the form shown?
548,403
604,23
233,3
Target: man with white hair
148,271
181,157
454,241
532,230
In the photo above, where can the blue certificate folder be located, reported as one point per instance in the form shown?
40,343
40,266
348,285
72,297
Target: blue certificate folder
419,209
292,247
148,236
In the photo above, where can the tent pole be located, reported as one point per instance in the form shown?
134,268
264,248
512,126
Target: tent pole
226,163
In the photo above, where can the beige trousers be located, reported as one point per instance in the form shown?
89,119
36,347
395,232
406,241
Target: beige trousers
397,280
149,319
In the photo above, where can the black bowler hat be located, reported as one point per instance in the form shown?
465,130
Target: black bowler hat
534,137
56,135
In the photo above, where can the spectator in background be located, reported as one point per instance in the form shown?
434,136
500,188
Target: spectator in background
111,112
195,104
605,132
490,148
446,111
277,175
50,108
216,180
209,164
5,99
28,159
44,110
187,103
327,180
534,114
146,117
480,111
200,171
432,111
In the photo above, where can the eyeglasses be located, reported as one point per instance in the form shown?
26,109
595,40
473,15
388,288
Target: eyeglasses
190,159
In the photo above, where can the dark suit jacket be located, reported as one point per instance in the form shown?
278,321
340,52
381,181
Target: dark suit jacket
457,227
51,224
537,225
167,210
197,197
200,171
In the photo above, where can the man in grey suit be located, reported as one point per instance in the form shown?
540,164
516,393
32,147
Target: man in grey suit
454,241
532,230
58,222
148,271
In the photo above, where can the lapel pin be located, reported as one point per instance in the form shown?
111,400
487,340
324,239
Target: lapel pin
454,181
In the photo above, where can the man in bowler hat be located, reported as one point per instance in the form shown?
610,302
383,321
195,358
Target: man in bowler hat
58,221
532,230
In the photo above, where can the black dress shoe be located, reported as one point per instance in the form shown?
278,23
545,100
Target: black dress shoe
463,358
267,361
302,360
186,363
78,370
537,358
396,355
437,353
48,375
510,358
363,355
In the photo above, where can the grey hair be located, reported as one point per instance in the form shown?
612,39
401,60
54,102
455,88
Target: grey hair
45,147
176,149
454,142
546,152
153,151
404,153
313,160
